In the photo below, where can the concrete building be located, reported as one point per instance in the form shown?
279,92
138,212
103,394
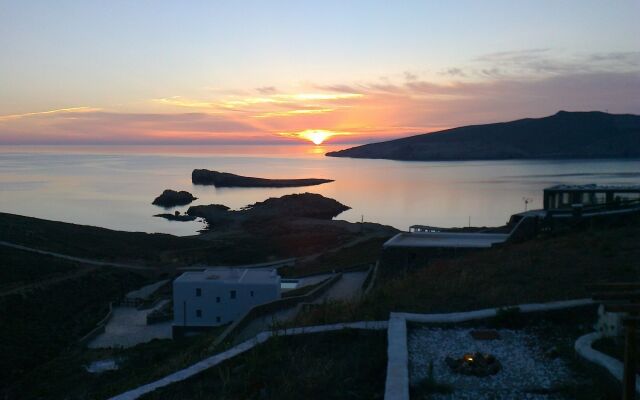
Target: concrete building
218,296
591,197
565,206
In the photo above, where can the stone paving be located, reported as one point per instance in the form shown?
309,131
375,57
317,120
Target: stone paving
128,327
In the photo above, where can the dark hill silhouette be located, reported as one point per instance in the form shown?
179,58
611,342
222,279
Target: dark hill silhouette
563,135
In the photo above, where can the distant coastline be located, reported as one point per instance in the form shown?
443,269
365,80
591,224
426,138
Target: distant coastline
565,135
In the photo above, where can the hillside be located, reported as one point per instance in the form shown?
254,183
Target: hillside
563,135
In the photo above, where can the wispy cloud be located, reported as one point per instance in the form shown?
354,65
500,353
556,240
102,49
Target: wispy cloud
290,113
48,112
265,90
180,101
495,87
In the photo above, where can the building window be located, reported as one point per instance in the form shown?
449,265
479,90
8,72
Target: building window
218,299
198,292
217,319
251,293
199,313
232,294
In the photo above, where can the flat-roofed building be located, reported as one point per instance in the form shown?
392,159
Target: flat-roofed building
566,197
218,296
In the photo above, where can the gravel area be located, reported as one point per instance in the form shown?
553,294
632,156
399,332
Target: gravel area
525,367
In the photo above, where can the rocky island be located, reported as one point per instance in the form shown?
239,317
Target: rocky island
172,198
225,179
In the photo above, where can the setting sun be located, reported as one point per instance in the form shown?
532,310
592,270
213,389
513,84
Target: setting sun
317,136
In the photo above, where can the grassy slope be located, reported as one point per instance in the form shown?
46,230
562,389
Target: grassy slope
89,241
341,365
65,377
544,269
132,247
19,268
360,253
40,324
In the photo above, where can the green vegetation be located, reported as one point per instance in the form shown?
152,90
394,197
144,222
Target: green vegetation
348,364
130,247
557,332
89,241
65,376
40,323
255,242
543,269
18,268
362,253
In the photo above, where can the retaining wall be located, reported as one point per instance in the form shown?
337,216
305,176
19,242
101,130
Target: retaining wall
612,365
261,310
100,328
239,349
397,384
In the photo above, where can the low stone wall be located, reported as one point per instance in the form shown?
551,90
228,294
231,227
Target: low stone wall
397,384
239,349
271,307
525,229
370,280
162,314
100,327
612,365
352,268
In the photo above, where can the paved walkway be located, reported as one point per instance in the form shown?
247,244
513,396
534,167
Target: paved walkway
146,291
347,287
128,327
265,323
396,387
312,280
76,259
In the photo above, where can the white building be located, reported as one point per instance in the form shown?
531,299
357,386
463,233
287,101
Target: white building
217,296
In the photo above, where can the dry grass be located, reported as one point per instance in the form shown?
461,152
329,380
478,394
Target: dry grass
543,269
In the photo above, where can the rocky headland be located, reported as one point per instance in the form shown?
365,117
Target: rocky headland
584,135
305,205
294,224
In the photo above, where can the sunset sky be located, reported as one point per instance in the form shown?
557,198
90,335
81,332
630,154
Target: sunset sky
160,72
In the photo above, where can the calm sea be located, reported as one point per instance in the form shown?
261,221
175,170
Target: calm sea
113,186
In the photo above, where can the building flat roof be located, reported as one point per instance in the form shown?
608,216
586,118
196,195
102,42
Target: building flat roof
231,275
446,239
594,188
